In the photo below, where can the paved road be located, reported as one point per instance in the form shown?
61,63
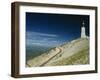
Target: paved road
58,50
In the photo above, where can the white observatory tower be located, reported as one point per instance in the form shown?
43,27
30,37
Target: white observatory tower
83,32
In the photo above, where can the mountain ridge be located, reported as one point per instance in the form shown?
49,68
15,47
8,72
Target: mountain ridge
70,53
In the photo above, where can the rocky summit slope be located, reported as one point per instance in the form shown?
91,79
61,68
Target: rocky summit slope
70,53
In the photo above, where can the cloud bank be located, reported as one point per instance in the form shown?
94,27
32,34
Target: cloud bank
41,39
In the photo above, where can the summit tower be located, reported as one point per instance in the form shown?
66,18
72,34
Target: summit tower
83,30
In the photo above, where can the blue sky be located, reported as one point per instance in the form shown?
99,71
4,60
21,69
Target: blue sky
53,29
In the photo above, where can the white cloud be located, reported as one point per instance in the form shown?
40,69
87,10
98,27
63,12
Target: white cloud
37,44
40,34
35,38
